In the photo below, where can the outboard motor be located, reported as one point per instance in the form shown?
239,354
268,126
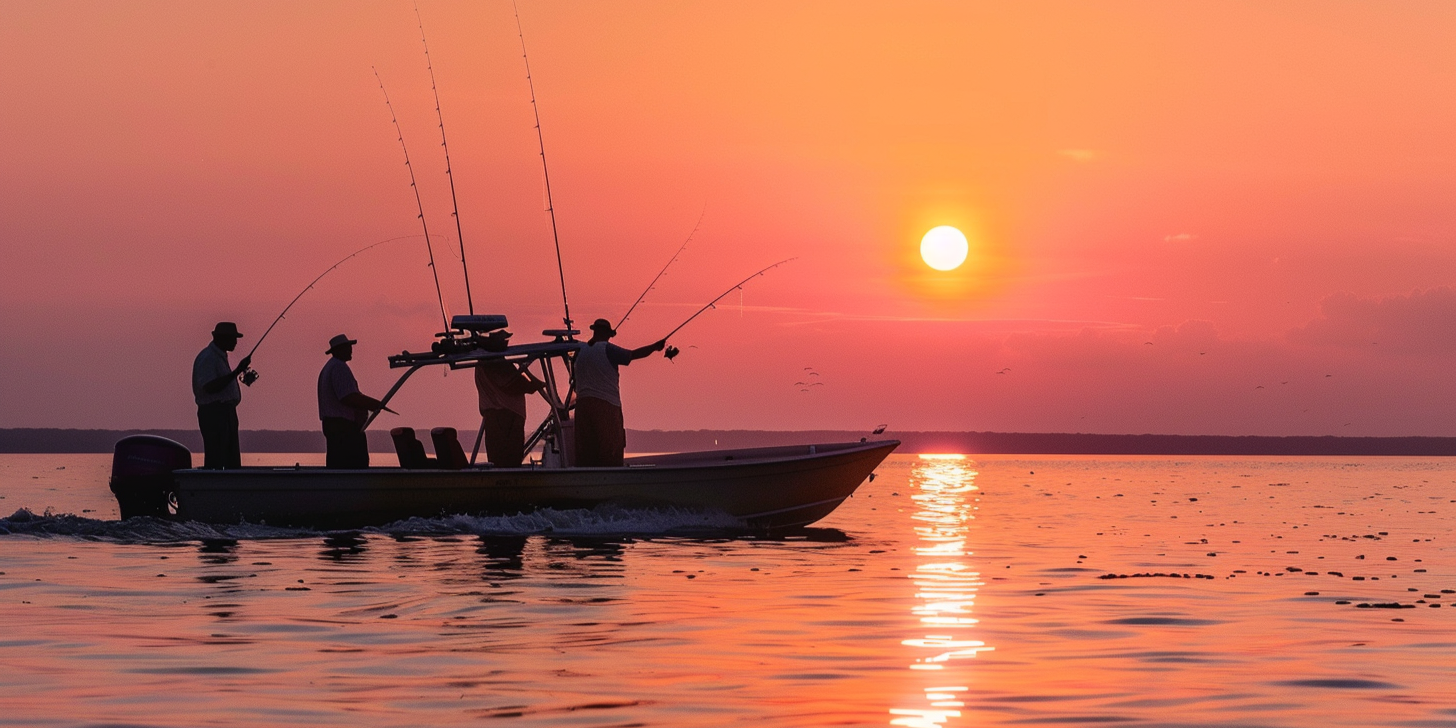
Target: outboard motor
141,474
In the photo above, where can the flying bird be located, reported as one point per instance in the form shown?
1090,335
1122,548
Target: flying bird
879,430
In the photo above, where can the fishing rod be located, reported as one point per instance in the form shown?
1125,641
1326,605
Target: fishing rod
672,351
449,174
250,375
419,204
664,270
545,173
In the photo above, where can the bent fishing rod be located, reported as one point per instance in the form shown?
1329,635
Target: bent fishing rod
419,204
250,376
545,173
658,277
449,170
671,350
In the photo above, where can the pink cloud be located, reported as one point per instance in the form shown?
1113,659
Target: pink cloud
1421,323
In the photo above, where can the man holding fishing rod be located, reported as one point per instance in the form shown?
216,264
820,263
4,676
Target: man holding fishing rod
601,437
502,387
215,389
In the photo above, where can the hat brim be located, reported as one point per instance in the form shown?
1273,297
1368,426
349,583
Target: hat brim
350,342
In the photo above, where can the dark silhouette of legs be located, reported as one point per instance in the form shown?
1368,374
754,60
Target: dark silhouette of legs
346,446
219,425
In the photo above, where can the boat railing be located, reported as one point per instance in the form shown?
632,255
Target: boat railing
464,348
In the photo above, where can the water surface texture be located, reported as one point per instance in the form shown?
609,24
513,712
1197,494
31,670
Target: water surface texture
949,592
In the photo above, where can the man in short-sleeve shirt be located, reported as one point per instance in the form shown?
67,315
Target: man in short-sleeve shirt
343,409
601,436
502,388
215,389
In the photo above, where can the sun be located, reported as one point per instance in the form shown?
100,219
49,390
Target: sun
944,248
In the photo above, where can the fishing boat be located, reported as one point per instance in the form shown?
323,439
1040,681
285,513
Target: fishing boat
771,487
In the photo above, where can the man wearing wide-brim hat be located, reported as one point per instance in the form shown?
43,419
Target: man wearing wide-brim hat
343,409
601,435
215,389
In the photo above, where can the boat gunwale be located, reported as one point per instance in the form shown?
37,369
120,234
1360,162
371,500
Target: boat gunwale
393,470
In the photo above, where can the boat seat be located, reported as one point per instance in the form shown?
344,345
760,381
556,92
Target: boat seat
411,453
447,448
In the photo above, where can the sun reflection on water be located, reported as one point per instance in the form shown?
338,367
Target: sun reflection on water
945,585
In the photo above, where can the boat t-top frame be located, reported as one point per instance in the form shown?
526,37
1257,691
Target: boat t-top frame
463,347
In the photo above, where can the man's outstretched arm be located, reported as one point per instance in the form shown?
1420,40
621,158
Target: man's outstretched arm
643,351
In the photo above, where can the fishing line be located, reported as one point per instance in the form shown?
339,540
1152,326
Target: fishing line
251,376
419,204
658,277
545,173
449,174
736,287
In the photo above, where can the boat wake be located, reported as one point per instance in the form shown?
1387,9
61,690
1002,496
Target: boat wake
601,521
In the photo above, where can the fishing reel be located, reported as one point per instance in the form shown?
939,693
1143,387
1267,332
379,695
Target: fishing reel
671,352
249,376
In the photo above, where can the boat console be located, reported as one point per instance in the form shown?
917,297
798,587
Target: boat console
463,346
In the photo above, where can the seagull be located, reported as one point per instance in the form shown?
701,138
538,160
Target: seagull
817,384
813,374
1259,387
801,384
879,430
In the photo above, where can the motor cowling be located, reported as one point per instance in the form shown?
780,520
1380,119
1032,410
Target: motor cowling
141,474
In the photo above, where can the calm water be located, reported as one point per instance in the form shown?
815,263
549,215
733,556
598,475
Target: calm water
948,592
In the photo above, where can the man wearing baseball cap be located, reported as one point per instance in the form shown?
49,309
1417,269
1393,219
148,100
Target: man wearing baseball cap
601,436
343,409
215,389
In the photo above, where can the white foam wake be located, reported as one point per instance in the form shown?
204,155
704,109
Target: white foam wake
601,521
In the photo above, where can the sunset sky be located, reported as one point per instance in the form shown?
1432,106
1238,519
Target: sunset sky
1185,218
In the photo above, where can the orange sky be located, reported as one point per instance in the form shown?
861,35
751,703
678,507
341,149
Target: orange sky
1261,191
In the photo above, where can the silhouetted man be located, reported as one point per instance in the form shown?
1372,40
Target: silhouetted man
343,409
601,437
215,388
503,387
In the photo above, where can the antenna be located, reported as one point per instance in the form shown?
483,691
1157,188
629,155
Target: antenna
545,173
419,204
449,174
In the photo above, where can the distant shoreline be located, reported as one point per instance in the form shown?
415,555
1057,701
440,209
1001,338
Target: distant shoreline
53,440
